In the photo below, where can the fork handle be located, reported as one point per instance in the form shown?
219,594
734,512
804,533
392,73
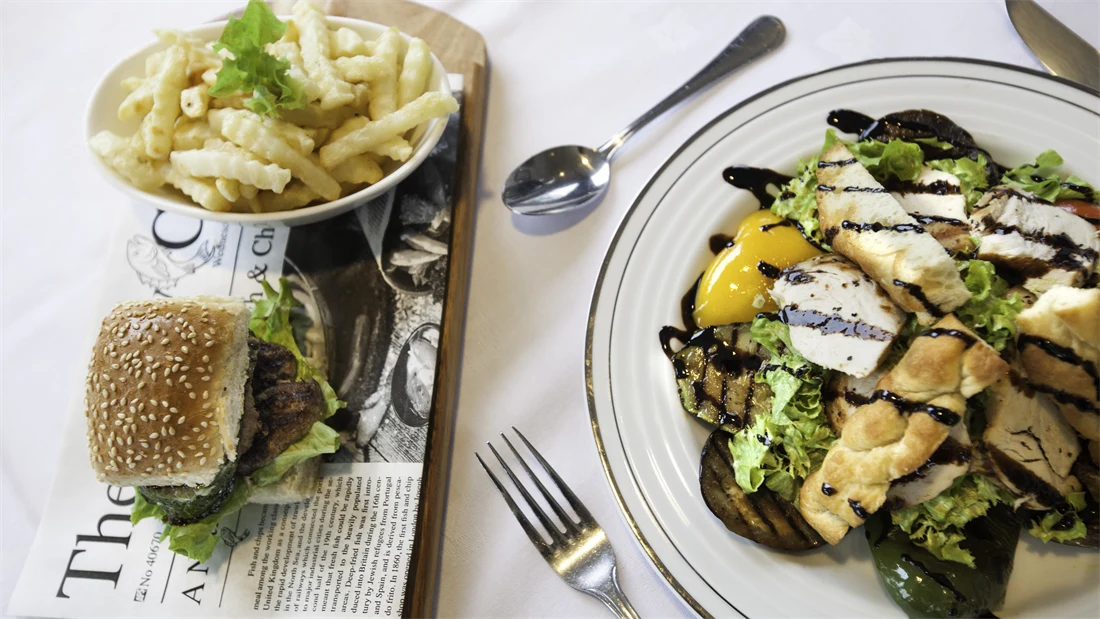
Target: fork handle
612,597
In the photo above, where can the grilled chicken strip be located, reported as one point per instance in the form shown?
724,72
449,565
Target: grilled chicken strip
865,223
912,412
838,317
1058,339
846,394
950,460
936,201
1033,241
1030,445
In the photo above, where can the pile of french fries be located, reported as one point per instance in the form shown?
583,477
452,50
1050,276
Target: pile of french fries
363,97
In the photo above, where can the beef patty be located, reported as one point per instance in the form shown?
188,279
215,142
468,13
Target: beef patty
278,411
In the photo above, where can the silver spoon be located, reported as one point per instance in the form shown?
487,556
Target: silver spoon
572,177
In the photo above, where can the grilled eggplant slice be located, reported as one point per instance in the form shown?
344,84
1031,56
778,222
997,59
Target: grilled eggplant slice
762,516
715,374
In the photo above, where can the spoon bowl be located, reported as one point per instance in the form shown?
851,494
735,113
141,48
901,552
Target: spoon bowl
566,178
556,180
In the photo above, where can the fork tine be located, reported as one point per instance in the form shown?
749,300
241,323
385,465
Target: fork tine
532,533
551,528
574,502
566,519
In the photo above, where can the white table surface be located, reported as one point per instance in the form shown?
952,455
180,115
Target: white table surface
568,72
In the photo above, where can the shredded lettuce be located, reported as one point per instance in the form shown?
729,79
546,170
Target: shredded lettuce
937,523
1041,178
1044,528
991,311
251,70
271,322
887,160
971,175
782,448
797,200
197,540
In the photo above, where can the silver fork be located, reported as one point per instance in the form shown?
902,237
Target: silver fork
581,554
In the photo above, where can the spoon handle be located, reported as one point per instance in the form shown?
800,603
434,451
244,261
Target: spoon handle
760,37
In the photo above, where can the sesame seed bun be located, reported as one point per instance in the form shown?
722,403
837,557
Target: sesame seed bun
165,390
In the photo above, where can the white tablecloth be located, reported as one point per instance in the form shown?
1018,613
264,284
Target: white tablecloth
569,72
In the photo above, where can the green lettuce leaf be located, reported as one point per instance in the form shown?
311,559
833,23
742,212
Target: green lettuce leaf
971,175
782,448
990,312
1041,178
797,200
270,322
321,440
1044,528
253,70
886,160
197,540
937,523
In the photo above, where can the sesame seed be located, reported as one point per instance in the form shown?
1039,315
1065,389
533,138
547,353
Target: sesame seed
206,359
154,436
184,349
202,460
173,410
168,381
187,385
141,384
206,395
166,418
179,465
209,344
203,424
191,395
154,402
164,403
164,342
205,378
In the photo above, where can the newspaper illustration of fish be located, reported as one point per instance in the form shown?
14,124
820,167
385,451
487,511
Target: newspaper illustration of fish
158,267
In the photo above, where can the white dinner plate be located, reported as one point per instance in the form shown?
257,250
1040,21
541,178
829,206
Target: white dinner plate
650,447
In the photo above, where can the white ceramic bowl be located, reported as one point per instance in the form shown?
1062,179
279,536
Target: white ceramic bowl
102,114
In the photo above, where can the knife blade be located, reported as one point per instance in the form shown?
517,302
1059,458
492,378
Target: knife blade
1062,51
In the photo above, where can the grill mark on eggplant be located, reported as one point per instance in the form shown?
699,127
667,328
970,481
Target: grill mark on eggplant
828,324
943,415
756,181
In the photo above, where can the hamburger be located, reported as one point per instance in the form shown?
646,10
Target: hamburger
203,407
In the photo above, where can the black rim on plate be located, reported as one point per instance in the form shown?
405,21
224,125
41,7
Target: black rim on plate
589,388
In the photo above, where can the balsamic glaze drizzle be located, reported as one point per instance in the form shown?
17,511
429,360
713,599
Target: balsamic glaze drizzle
878,227
943,415
968,339
768,270
828,324
756,181
917,293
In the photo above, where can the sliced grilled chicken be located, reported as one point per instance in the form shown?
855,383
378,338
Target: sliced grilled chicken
1031,447
1033,241
846,394
865,223
1058,340
950,460
936,201
838,317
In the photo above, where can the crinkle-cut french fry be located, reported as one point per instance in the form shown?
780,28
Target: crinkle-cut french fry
138,102
312,116
291,34
194,101
293,135
132,83
362,94
234,101
230,188
425,107
414,72
397,149
296,195
209,77
293,54
200,190
191,134
313,37
153,62
249,191
167,85
319,134
347,42
200,54
121,156
217,163
247,131
358,170
357,69
384,89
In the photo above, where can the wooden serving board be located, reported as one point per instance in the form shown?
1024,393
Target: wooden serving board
461,49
